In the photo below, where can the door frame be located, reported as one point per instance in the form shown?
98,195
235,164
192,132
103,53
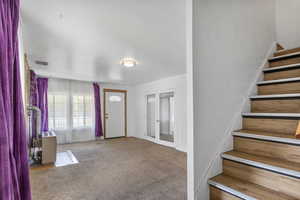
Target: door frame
105,90
157,117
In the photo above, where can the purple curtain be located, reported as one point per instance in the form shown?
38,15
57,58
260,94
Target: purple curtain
14,169
98,120
42,88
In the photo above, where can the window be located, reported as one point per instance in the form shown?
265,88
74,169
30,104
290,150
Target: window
115,98
82,111
57,111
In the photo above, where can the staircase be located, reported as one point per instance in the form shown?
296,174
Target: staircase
265,161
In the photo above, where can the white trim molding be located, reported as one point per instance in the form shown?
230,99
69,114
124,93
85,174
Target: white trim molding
284,67
267,138
276,96
277,115
286,80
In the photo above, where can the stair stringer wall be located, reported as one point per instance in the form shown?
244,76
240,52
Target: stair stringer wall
215,165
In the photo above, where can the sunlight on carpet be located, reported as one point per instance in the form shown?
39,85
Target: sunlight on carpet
65,158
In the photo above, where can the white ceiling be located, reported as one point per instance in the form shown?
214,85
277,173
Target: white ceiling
86,39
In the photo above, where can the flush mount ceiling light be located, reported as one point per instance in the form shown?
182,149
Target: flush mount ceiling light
128,62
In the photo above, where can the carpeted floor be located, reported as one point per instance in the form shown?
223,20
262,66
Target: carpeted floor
166,137
118,169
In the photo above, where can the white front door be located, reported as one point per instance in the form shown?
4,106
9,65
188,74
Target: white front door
115,121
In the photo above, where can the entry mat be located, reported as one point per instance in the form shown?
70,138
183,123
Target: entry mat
65,158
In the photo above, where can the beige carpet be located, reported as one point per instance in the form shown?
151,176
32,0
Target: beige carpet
118,169
166,137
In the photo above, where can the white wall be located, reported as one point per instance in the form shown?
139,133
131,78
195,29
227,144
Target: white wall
287,23
176,83
190,100
230,40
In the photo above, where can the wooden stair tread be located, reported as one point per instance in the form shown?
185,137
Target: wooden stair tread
290,87
281,105
286,51
276,135
282,125
293,71
265,161
246,190
283,67
278,81
277,165
284,56
288,59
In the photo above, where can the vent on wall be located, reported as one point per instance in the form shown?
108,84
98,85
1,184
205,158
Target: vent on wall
38,62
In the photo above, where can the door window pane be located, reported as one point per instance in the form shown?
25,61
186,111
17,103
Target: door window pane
166,113
151,115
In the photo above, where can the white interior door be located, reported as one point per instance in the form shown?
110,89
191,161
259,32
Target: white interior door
151,117
160,121
114,114
166,117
